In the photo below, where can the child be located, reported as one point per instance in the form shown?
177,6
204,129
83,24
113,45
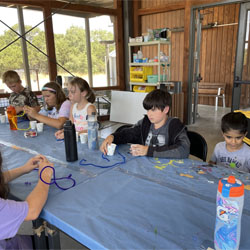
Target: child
233,152
21,96
157,134
57,108
13,213
82,97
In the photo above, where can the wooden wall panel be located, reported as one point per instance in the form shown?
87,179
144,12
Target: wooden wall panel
218,48
218,44
172,19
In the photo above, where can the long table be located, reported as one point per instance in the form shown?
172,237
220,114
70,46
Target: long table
139,203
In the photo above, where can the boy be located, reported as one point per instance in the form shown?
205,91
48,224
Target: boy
233,152
156,135
21,96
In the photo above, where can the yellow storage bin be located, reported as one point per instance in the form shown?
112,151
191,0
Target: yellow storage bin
247,114
139,74
144,89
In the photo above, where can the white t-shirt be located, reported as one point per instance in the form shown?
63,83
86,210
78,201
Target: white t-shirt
80,117
239,159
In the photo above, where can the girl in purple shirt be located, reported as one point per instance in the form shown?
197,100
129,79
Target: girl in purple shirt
13,213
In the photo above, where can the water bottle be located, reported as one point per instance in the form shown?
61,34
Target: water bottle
139,54
92,131
12,118
70,141
229,205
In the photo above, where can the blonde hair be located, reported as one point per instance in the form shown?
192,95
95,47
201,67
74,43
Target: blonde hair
56,89
83,86
11,76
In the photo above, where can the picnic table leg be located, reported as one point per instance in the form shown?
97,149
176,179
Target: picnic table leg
53,237
39,234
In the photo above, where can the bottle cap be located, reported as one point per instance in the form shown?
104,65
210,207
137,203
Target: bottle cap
68,123
231,187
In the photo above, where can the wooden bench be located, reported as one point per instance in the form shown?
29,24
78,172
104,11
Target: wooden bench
211,89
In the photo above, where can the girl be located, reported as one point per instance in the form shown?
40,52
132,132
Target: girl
82,97
57,108
13,213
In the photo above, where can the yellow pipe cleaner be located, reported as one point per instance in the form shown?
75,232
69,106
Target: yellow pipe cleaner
15,124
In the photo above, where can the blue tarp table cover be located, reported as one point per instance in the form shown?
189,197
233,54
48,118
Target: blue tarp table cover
146,203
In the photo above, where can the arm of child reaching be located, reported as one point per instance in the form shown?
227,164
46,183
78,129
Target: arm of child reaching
105,144
26,168
59,134
37,198
53,122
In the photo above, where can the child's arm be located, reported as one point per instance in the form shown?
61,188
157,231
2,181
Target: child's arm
105,143
53,122
26,168
37,198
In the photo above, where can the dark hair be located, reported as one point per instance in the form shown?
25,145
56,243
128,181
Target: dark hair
3,187
157,99
60,96
83,86
235,121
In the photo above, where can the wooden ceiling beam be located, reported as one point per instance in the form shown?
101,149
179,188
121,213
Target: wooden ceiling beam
58,5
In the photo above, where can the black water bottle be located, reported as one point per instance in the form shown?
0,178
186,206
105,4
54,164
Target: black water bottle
70,141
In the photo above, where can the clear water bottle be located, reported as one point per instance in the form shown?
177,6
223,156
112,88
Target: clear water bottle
92,131
70,141
229,205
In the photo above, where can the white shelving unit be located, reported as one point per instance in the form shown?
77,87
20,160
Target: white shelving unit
158,64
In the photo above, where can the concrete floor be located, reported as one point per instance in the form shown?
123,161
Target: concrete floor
207,124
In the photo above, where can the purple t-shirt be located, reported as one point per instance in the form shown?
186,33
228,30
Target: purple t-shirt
12,215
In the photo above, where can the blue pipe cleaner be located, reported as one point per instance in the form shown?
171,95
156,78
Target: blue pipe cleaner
54,179
105,158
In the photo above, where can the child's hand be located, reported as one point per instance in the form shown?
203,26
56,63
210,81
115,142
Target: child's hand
59,134
105,143
33,162
47,172
138,150
30,111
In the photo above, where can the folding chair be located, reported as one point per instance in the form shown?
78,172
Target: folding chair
198,145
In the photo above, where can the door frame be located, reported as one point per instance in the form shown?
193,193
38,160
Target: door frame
239,56
192,49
